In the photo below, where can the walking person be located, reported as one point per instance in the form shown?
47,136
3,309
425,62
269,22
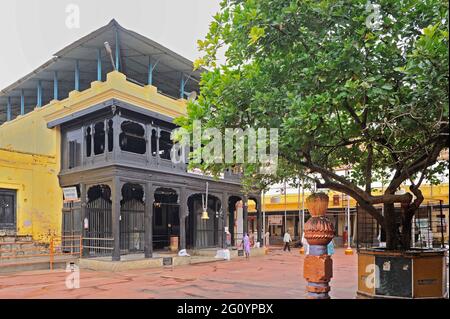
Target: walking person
246,244
287,239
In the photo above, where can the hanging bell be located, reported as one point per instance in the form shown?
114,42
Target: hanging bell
205,215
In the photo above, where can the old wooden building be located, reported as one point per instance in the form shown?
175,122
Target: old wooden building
99,121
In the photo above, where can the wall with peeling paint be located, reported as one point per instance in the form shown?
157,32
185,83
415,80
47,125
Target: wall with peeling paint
39,198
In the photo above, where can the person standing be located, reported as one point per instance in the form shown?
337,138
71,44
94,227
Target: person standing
287,239
246,244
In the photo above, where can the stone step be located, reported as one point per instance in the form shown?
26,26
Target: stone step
6,254
42,263
15,238
20,245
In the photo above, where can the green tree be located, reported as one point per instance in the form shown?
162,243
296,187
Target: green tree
346,84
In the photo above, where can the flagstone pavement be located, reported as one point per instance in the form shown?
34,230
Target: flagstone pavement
276,275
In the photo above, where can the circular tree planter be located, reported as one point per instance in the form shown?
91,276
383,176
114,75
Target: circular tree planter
416,273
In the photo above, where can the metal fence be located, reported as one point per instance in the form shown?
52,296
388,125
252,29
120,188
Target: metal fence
429,227
98,239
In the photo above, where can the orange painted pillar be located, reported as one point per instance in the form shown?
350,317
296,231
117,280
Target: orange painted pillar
319,231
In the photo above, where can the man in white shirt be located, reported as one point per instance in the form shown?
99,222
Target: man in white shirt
287,239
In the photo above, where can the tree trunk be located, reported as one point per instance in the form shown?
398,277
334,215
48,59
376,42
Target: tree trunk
406,234
408,213
391,227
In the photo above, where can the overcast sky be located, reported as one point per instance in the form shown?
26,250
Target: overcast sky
32,31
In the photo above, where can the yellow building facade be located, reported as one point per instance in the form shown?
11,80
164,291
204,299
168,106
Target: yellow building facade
30,153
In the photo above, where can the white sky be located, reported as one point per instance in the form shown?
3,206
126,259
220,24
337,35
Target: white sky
32,31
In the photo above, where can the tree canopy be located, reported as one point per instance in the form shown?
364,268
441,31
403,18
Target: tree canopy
348,84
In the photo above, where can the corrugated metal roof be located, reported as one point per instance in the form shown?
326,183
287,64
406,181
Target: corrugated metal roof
135,51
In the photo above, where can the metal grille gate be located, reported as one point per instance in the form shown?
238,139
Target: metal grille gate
98,239
71,227
132,226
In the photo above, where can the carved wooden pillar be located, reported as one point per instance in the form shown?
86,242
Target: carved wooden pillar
319,231
158,135
83,146
148,142
148,220
83,194
116,191
106,127
117,122
92,143
225,218
259,221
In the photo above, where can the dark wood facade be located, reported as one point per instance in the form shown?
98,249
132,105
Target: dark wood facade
116,154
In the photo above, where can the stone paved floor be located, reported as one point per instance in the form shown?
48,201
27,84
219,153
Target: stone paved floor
276,275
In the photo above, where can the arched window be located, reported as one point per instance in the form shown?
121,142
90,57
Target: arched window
99,138
165,145
132,138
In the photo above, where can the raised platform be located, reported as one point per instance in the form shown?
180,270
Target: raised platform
159,259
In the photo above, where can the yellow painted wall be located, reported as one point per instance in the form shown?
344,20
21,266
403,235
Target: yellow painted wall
30,152
39,198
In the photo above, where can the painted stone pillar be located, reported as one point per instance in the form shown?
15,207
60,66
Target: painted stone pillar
319,231
84,230
245,215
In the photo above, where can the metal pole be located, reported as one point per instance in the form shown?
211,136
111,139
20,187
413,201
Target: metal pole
55,85
348,222
39,94
299,210
77,75
99,65
303,208
349,250
264,218
182,86
150,72
22,102
285,207
8,109
117,64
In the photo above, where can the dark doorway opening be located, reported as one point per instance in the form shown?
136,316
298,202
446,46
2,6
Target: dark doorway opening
166,218
7,209
204,233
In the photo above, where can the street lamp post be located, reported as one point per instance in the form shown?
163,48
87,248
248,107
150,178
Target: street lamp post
302,249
